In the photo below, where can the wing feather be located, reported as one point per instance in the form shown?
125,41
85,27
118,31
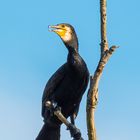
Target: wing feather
52,85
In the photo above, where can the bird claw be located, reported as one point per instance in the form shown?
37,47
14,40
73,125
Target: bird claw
52,106
75,132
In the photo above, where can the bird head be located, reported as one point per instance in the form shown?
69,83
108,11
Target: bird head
67,33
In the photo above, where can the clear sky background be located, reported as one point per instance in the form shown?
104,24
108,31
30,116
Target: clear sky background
30,54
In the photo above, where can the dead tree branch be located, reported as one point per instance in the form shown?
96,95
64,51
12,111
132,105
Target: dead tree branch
106,52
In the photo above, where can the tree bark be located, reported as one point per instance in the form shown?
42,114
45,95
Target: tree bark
92,96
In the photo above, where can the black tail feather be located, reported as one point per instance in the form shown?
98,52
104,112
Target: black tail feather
49,132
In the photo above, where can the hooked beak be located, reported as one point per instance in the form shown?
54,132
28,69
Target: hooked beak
53,28
58,29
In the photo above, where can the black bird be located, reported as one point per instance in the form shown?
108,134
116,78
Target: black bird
66,86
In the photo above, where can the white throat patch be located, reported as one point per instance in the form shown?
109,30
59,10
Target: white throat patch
68,35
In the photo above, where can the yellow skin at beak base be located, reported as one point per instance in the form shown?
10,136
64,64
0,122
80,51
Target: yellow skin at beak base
60,32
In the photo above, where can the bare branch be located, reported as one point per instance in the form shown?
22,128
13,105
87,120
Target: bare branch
103,17
92,97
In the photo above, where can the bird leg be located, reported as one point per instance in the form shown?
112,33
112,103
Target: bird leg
72,119
75,132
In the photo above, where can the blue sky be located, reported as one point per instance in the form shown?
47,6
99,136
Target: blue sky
30,54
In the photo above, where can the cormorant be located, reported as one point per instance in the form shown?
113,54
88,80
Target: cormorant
66,86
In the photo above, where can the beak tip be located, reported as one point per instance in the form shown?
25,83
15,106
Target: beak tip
49,28
52,28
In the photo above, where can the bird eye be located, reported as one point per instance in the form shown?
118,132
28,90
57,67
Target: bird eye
62,26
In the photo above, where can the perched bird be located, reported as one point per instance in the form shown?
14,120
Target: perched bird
66,86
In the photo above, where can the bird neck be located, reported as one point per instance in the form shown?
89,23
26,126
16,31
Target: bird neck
72,46
72,50
73,55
